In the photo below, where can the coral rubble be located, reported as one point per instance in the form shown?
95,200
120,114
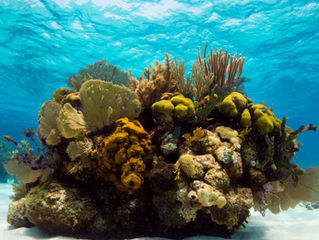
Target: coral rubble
167,155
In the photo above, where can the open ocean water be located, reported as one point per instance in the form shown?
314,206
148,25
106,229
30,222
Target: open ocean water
42,42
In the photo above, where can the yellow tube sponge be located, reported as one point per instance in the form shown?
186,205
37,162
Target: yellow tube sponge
233,104
132,173
105,102
120,155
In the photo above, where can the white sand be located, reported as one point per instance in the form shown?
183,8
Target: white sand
298,223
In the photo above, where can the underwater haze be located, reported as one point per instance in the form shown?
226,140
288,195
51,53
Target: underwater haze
43,42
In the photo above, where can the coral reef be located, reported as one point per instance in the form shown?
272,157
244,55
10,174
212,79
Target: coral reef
174,154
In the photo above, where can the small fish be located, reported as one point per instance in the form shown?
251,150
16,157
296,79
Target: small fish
29,133
9,139
273,186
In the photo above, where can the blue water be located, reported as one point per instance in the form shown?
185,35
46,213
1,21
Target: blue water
42,42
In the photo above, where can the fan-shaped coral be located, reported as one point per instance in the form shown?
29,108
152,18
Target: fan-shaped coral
48,129
99,70
104,103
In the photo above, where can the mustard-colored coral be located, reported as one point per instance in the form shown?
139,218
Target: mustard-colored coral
264,119
166,108
60,94
233,104
258,115
245,120
183,106
174,105
120,155
190,167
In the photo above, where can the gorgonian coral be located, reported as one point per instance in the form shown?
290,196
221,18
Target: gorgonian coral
99,70
104,102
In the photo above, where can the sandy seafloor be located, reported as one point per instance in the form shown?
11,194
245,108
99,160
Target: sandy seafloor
299,223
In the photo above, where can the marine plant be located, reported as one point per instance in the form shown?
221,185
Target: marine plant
172,154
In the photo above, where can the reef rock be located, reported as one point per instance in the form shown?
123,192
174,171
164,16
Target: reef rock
56,207
17,214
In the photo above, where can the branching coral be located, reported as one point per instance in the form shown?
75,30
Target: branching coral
186,87
202,83
99,70
104,102
151,88
288,145
26,166
218,64
120,155
197,84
